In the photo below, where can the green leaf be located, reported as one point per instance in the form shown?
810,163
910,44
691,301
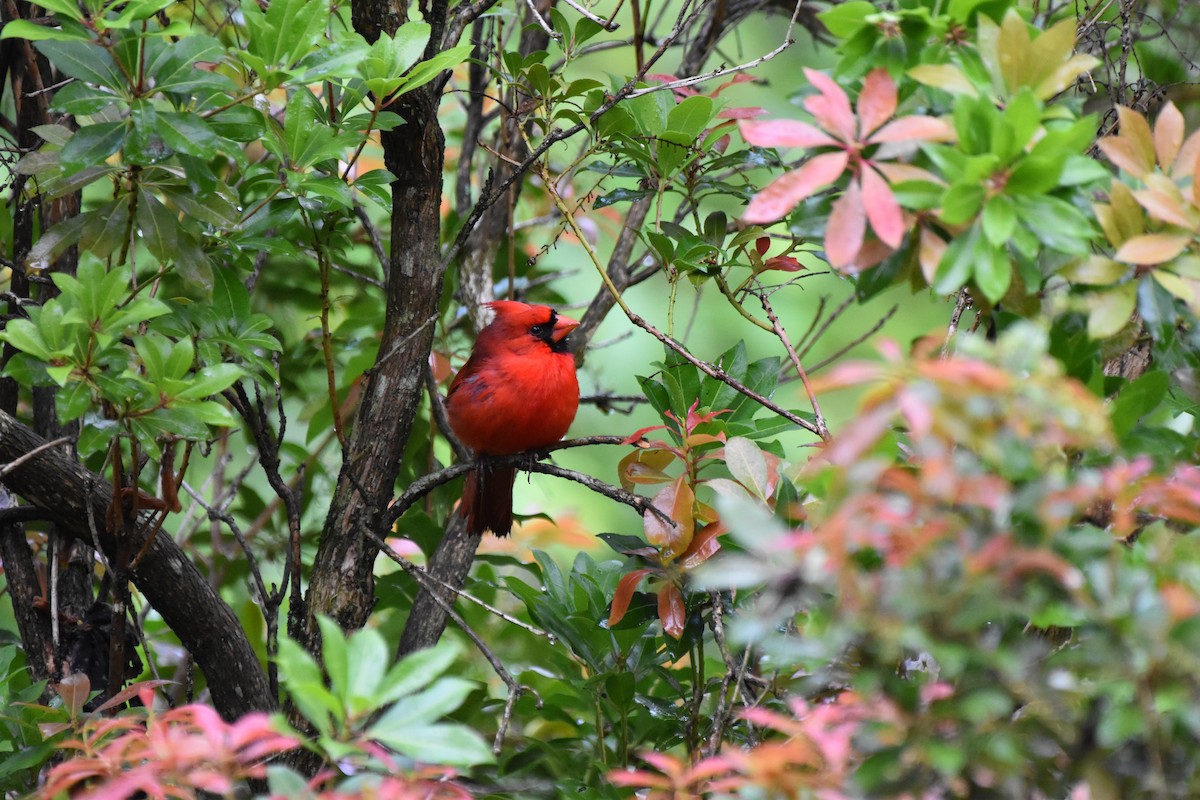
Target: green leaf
958,262
159,227
442,697
287,31
429,69
187,133
417,670
211,380
25,336
691,116
999,219
455,745
25,29
1111,310
85,61
993,271
93,144
650,112
844,19
66,8
747,463
368,656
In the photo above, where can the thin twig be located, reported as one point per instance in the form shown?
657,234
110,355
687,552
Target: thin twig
487,199
32,454
705,367
822,428
427,483
788,41
553,34
438,406
515,688
841,351
608,24
431,582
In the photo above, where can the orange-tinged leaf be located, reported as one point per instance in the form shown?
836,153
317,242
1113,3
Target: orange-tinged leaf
1151,248
1161,198
1186,160
784,133
74,690
896,172
624,594
915,129
782,194
1125,154
1136,130
675,501
882,209
876,101
1168,135
644,467
831,107
672,611
704,545
930,254
847,225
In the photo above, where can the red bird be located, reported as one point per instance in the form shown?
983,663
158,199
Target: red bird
517,392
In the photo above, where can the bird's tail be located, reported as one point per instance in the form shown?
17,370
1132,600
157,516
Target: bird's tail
487,500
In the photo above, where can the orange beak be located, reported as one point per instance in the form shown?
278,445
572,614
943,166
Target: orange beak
563,326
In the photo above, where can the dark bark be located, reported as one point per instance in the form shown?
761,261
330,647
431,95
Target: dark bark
342,584
72,495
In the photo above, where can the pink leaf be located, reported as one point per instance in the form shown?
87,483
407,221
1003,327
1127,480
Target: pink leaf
1125,154
876,102
741,112
1168,134
847,224
784,133
882,209
831,107
782,194
915,128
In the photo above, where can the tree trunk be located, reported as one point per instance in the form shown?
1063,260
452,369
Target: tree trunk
78,500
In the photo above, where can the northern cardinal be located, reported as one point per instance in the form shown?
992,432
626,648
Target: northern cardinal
517,392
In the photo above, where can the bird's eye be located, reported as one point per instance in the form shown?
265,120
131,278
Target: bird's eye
540,331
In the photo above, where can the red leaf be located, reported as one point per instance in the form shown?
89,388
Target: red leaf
914,129
831,107
782,194
675,501
784,133
783,264
882,209
672,611
762,244
624,594
876,102
704,545
847,224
